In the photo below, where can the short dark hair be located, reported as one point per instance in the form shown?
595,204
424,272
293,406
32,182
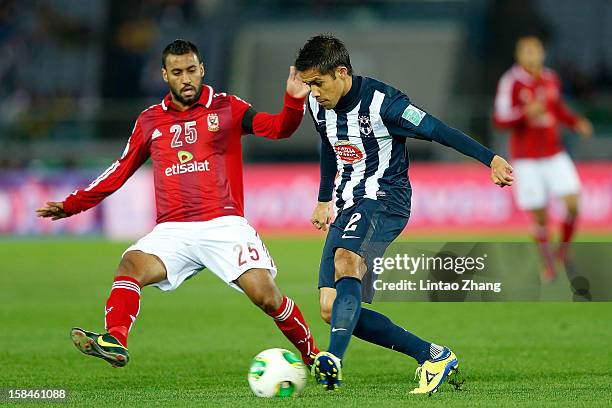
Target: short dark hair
526,37
325,53
180,47
532,34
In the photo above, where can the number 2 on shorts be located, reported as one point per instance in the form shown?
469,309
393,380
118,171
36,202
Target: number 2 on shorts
352,224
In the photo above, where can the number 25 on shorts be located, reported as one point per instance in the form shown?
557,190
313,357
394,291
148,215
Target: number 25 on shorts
251,252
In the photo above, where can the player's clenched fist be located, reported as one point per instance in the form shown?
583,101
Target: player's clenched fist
321,216
501,172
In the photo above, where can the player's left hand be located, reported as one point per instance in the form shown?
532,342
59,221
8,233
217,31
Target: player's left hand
584,127
53,210
295,87
501,172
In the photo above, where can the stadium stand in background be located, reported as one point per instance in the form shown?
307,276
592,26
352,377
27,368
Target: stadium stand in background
74,73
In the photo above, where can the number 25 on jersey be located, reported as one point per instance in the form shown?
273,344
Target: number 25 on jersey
188,130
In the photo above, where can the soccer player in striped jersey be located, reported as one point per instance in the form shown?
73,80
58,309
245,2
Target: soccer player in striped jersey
363,124
193,137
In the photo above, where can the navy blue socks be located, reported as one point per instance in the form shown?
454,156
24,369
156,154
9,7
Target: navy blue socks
376,328
348,318
345,314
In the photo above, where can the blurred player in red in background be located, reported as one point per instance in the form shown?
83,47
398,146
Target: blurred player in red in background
194,140
529,102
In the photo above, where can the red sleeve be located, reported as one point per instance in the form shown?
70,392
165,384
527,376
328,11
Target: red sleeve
280,125
564,114
239,108
508,112
135,154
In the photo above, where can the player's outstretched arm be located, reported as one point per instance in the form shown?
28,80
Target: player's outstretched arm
134,155
501,171
571,119
280,125
578,123
402,118
407,120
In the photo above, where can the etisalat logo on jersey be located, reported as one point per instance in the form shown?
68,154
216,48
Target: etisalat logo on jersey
186,165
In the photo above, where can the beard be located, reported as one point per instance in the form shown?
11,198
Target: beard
187,101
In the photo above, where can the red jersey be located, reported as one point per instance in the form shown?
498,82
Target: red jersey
531,138
196,156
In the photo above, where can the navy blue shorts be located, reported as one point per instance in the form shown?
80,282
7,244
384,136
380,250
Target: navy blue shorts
366,228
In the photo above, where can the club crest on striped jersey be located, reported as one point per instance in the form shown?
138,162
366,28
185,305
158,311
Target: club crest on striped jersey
365,126
348,152
213,122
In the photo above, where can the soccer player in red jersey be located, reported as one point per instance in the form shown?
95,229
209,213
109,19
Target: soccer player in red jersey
194,140
529,103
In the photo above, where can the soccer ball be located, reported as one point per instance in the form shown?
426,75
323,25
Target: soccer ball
277,373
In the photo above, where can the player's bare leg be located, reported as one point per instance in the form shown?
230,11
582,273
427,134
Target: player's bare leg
568,227
542,239
136,270
261,288
326,303
146,268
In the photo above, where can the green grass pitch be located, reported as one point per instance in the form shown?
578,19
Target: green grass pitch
192,347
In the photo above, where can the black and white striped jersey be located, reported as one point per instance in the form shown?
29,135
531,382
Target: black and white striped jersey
363,152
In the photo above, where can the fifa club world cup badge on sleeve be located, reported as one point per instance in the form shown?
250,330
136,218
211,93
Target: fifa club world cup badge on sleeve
213,122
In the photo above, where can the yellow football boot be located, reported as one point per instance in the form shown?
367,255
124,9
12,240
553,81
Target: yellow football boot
432,373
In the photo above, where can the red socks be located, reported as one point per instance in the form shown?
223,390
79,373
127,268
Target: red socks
290,321
568,227
122,307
